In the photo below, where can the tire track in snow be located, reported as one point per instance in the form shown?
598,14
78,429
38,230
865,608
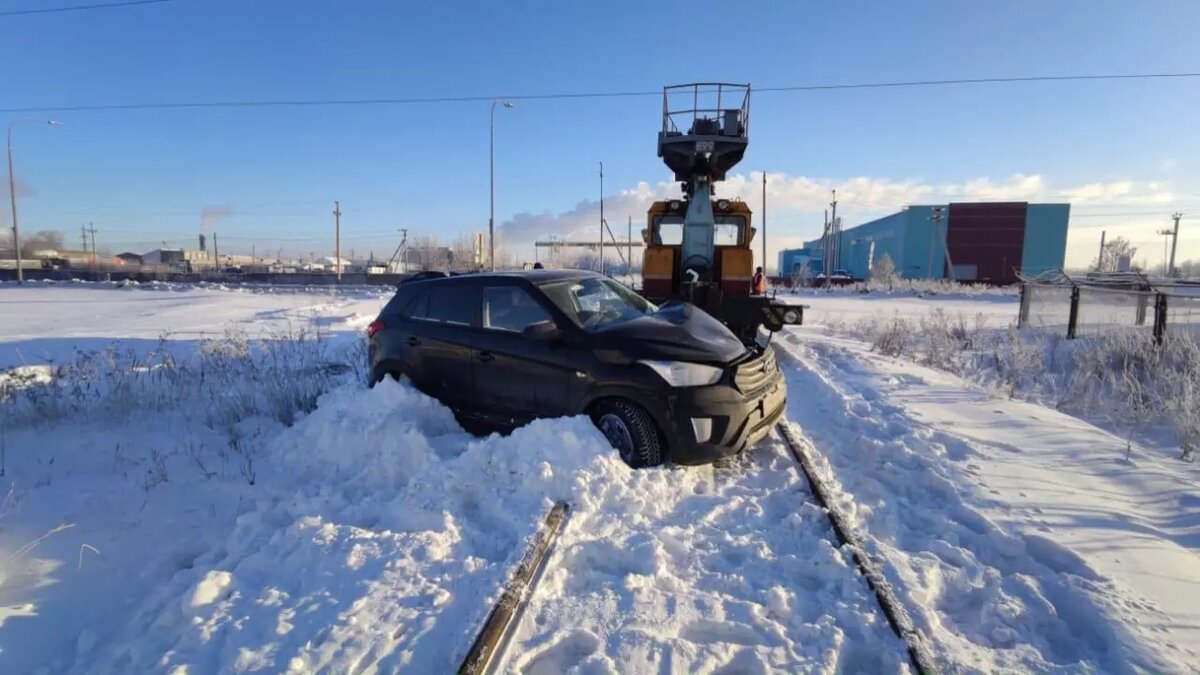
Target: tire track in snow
986,601
730,568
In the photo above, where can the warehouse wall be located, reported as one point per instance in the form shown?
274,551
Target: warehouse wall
986,240
1045,246
888,234
919,242
990,238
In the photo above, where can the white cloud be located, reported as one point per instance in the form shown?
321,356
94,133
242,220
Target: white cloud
796,204
858,197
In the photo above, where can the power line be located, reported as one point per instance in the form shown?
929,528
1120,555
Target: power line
77,8
979,80
418,100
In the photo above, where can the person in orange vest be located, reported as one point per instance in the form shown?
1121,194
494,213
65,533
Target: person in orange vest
759,283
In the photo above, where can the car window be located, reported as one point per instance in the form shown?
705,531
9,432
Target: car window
511,308
456,304
418,305
594,303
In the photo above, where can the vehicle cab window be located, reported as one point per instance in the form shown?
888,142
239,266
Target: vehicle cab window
453,304
669,231
511,308
727,230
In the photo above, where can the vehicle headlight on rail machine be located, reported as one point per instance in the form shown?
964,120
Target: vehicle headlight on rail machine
684,374
791,316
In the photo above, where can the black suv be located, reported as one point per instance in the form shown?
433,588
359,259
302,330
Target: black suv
502,349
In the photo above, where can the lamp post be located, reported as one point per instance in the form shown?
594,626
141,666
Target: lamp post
12,190
492,183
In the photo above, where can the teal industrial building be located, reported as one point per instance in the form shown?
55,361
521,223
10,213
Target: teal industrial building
990,242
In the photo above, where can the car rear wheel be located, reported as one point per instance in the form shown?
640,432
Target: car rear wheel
393,375
631,431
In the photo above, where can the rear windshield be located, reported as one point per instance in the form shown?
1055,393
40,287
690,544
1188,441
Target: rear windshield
595,303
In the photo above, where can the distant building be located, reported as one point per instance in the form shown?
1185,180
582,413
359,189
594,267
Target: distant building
793,261
176,257
128,258
986,241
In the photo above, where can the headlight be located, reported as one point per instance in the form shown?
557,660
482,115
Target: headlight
791,316
683,374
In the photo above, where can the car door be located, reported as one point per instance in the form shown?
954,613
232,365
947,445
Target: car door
518,376
445,323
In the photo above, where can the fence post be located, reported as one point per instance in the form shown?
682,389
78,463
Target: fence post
1073,318
1023,312
1143,300
1160,317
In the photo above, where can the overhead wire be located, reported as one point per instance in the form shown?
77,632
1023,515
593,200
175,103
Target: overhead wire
78,8
424,100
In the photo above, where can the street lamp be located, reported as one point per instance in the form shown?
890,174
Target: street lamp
492,182
12,189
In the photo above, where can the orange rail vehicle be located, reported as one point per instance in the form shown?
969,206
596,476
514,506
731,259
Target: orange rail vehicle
697,248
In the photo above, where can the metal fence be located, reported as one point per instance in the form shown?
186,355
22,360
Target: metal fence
1079,308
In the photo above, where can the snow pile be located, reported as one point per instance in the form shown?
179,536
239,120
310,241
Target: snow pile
997,520
377,536
726,569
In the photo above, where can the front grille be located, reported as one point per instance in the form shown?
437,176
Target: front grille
756,373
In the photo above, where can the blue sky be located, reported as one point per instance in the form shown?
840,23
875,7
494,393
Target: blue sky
1121,152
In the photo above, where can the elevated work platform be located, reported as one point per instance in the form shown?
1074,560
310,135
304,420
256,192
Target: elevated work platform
705,129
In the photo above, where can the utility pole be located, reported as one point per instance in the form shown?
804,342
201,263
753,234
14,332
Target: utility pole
833,248
337,238
252,256
601,217
492,181
629,246
938,214
83,237
1166,233
825,246
936,219
1174,241
12,193
1100,258
216,253
764,223
91,230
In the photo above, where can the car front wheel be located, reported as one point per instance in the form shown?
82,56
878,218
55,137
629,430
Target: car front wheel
631,431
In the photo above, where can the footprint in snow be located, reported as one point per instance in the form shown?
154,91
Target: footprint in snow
563,654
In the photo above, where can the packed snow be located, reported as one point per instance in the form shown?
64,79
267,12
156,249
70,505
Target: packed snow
196,480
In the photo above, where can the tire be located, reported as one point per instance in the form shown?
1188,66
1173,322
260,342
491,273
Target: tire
395,375
631,431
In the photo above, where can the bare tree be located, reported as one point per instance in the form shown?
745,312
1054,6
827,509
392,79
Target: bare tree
1114,250
424,250
884,270
463,254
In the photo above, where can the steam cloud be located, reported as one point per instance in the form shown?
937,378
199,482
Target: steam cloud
211,214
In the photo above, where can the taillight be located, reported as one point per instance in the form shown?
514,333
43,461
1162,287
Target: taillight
374,328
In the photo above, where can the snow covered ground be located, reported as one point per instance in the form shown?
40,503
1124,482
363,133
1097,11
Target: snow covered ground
217,492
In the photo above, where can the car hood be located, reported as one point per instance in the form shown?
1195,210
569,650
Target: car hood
678,331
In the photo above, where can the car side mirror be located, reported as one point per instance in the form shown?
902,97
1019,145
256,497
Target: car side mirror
542,330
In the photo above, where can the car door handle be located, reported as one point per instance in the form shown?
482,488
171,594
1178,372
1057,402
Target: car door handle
413,341
486,357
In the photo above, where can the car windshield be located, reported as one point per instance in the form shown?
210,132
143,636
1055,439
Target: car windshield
596,303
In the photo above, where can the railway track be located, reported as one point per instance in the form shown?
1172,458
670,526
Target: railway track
490,643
